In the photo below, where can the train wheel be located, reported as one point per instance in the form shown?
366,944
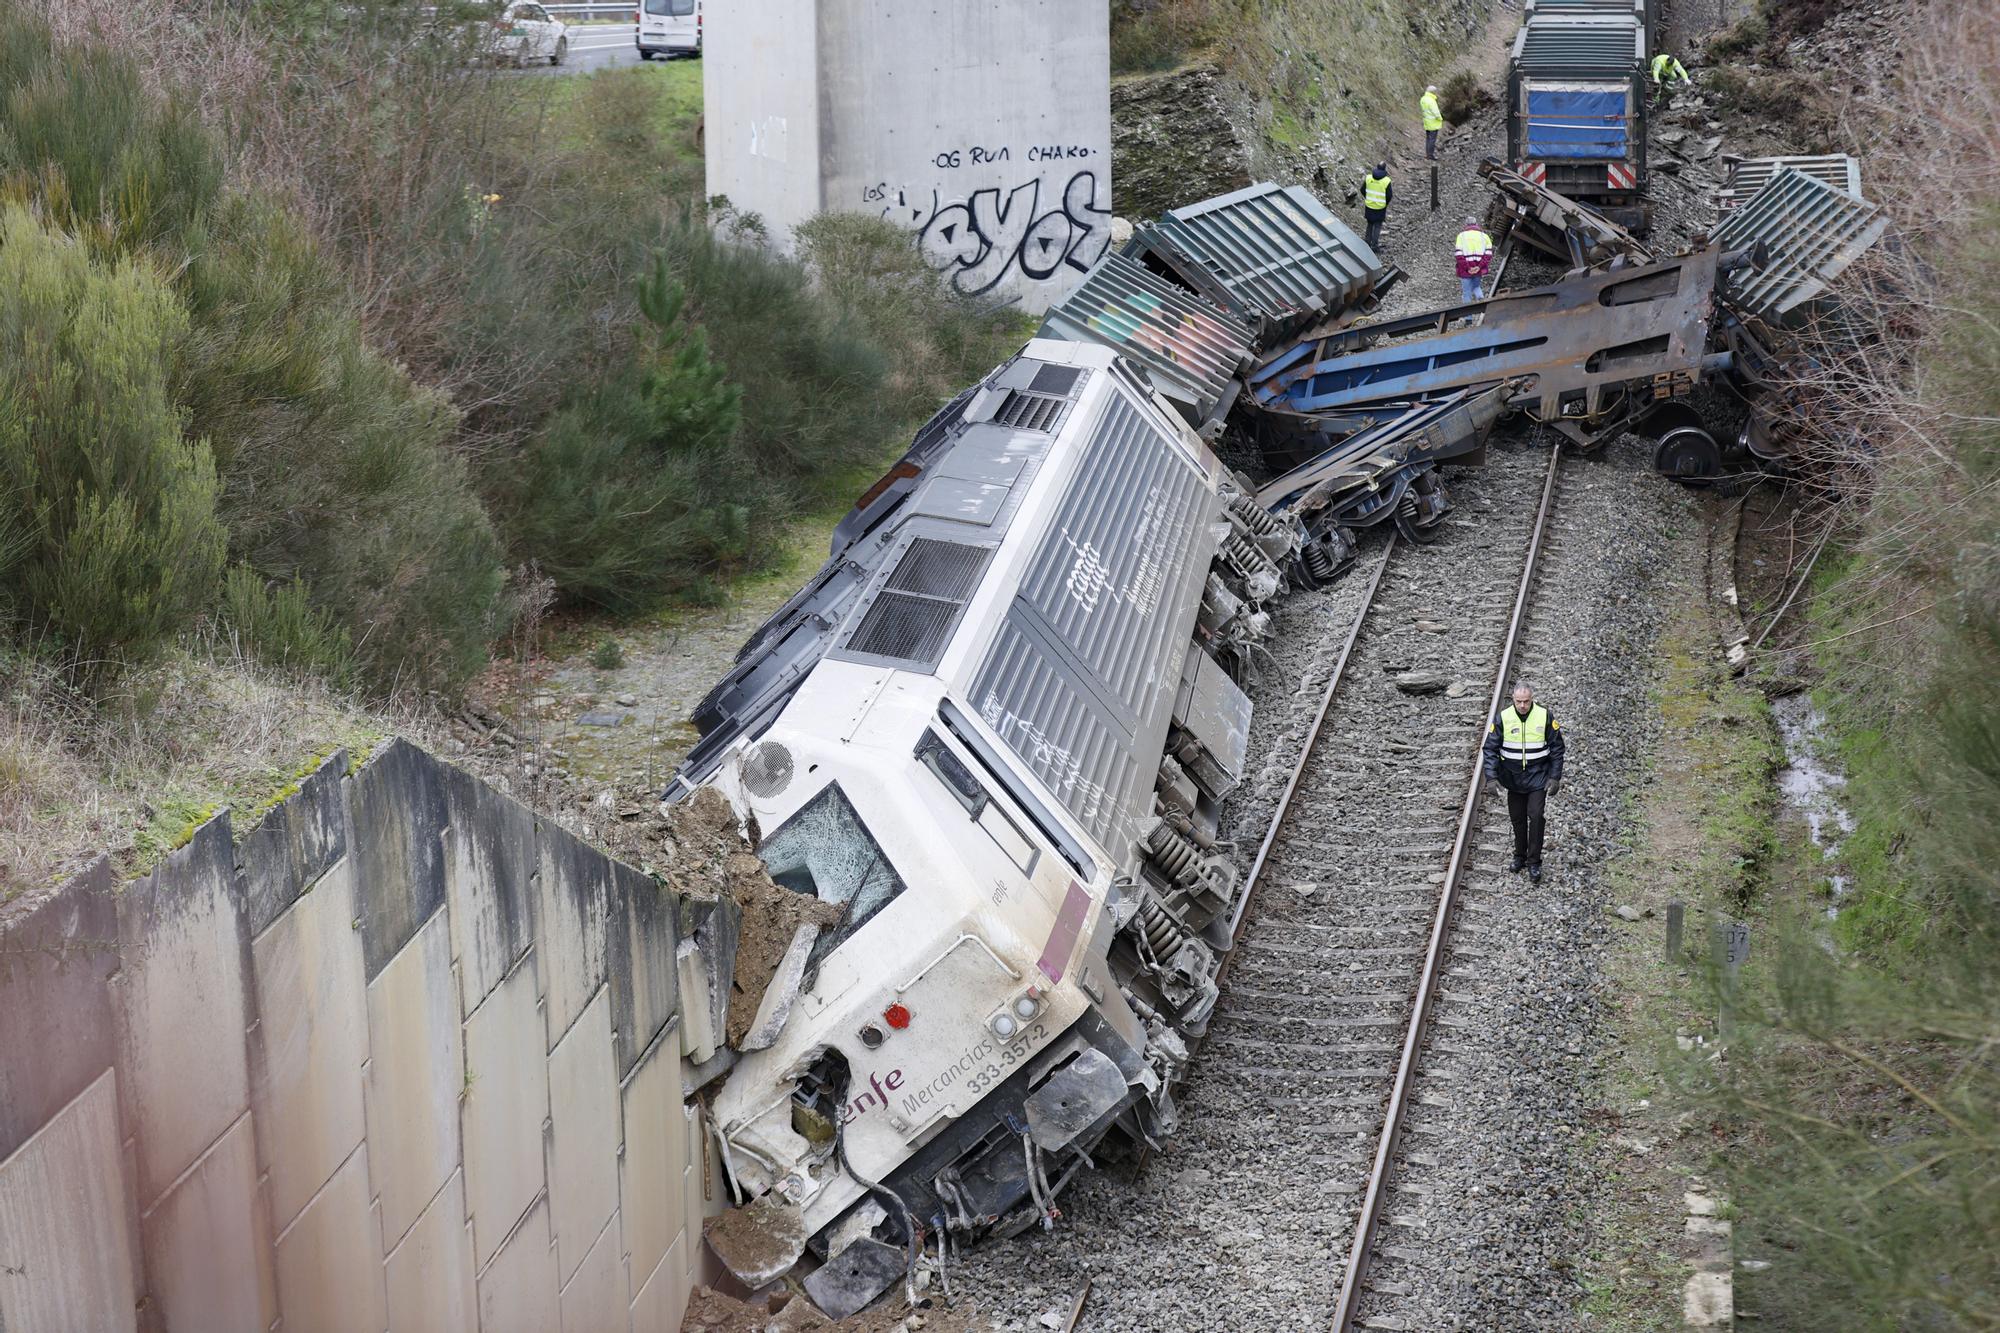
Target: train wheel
1688,453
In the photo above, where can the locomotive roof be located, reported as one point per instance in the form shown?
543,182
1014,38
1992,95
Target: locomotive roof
1080,674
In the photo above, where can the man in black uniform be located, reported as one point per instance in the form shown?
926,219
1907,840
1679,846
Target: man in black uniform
1524,754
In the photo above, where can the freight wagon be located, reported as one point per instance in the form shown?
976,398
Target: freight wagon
1576,109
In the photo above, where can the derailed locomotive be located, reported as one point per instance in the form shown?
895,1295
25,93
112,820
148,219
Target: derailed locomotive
995,729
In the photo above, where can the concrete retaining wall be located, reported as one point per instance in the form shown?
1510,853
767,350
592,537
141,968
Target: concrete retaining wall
406,1057
984,128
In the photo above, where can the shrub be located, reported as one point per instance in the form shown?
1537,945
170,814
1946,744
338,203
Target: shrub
334,468
812,379
1743,39
632,494
1152,35
609,655
936,338
278,625
1461,95
108,531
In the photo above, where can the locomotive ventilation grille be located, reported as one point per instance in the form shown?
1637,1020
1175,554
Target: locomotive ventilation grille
1030,411
913,616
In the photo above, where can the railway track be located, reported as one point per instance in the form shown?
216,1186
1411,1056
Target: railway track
1360,934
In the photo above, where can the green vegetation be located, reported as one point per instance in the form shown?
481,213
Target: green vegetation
1704,811
321,461
108,534
1863,1100
1352,69
498,234
325,354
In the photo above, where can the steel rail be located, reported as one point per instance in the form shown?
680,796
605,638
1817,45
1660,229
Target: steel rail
1284,809
1392,1127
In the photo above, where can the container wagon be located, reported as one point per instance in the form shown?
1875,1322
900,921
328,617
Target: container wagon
1646,11
1576,110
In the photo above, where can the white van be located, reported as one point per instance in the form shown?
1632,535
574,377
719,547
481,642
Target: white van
669,28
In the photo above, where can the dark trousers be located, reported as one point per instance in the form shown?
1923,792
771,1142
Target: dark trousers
1431,144
1525,809
1374,216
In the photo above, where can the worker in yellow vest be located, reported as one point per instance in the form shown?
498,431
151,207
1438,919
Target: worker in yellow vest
1473,256
1524,755
1433,121
1376,192
1666,72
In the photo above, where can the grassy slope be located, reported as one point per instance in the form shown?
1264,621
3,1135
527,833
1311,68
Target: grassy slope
1702,830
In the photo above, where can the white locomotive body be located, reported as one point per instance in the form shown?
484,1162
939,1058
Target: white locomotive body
994,729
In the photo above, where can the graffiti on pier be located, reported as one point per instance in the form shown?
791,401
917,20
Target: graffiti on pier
979,241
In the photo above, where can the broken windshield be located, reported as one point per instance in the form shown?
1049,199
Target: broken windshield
826,851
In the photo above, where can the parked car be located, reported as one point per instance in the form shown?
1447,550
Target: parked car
525,31
668,28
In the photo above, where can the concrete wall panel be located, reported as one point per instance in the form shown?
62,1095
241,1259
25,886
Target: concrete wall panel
207,1250
416,1071
182,1008
430,1273
489,880
63,1222
760,90
656,1154
312,1040
593,1301
663,1298
506,1102
299,840
517,1291
583,1138
644,978
330,1260
56,960
574,914
983,128
398,811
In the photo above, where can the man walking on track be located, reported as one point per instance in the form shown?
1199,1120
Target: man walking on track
1473,255
1376,192
1433,121
1524,754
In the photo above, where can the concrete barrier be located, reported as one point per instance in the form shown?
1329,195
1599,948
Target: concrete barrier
402,1056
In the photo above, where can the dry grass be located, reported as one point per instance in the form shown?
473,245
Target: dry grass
131,776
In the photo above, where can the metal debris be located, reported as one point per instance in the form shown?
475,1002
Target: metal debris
1812,232
1189,348
1748,175
1270,255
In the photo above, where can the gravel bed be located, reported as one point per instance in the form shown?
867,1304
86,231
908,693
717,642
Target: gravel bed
1496,1167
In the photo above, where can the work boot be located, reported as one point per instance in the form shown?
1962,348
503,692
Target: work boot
1535,873
1519,862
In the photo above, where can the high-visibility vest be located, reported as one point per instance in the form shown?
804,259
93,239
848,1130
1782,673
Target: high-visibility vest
1661,64
1433,118
1473,241
1375,191
1524,740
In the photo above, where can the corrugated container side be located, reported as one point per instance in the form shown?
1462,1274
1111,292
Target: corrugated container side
1189,348
1812,231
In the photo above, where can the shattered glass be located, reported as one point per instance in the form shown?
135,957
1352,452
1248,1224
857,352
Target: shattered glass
827,852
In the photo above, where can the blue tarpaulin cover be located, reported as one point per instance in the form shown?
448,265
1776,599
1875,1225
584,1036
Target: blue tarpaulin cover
1576,124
